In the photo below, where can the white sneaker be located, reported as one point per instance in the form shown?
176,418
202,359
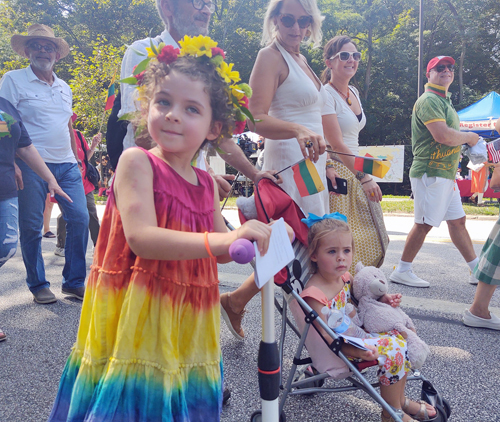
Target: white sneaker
472,279
59,251
408,278
474,321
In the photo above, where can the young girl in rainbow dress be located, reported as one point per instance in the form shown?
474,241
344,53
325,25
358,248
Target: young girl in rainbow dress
328,293
147,347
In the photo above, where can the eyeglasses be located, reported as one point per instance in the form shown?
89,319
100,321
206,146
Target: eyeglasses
442,67
200,4
289,20
49,48
346,55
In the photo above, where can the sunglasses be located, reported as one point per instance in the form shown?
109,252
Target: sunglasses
49,48
442,67
289,20
346,55
200,4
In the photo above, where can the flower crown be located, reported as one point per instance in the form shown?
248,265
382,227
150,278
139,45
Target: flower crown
203,48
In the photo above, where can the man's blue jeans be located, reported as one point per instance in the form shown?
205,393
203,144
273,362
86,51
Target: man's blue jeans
8,229
31,206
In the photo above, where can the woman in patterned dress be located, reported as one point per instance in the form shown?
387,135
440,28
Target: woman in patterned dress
361,205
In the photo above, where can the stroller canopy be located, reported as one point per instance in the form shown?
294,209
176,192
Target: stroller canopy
481,116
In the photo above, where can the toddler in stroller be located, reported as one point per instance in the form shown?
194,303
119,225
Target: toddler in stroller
328,292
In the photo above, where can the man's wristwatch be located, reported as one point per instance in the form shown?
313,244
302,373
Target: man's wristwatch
360,175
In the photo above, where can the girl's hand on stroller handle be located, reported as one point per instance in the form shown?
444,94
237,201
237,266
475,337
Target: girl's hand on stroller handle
254,230
242,251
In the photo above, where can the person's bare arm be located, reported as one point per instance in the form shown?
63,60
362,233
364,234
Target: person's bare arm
347,349
135,200
334,138
95,141
18,175
235,157
73,143
450,137
269,70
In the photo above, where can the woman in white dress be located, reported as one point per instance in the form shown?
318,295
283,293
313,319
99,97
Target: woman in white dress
289,99
293,109
361,205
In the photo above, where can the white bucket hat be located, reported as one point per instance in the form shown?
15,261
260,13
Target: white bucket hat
38,31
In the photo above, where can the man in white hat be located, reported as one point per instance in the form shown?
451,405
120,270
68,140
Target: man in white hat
44,104
436,144
181,17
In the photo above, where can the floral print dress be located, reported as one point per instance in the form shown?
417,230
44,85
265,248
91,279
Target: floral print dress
393,359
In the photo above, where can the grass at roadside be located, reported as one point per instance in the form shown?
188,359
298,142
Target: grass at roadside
405,206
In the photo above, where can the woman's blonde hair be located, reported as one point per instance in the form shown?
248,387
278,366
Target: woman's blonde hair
321,229
331,48
274,10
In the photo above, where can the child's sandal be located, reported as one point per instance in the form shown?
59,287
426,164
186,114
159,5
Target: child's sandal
421,415
399,412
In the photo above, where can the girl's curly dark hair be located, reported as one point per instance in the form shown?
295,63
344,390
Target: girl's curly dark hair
198,70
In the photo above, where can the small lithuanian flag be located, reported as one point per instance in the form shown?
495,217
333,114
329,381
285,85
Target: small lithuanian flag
111,95
307,178
372,166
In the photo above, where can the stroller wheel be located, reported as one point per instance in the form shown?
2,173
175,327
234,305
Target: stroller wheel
257,416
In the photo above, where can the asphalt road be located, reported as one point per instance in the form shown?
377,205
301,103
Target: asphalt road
463,364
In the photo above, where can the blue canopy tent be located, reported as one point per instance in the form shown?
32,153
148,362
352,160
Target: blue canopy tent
481,116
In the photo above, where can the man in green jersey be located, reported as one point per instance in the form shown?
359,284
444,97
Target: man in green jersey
436,143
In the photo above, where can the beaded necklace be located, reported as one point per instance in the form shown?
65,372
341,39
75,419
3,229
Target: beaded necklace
346,97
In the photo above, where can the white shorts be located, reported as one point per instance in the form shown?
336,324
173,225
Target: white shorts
436,200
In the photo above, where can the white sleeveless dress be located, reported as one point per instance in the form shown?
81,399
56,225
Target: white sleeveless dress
298,100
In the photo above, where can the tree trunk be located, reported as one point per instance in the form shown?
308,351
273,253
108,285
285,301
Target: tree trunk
368,64
461,29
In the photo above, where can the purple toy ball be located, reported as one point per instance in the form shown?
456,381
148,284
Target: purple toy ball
242,251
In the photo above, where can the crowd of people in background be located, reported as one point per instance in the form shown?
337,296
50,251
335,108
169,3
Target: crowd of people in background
163,233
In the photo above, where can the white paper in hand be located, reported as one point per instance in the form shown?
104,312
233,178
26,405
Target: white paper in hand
279,254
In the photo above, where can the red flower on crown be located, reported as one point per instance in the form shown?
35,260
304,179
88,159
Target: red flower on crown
239,127
168,54
139,77
216,51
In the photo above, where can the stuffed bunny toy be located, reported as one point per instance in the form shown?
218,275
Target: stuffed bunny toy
369,285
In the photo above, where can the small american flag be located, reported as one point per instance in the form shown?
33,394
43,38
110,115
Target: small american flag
493,148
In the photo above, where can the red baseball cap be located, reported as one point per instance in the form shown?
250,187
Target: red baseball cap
437,60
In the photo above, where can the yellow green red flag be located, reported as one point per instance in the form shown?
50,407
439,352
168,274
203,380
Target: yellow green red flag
307,178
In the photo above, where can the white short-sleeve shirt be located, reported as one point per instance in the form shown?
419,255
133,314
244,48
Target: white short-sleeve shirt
45,110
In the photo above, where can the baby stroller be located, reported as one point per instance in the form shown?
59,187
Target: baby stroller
271,202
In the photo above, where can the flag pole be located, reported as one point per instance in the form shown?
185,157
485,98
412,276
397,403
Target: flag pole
103,116
334,152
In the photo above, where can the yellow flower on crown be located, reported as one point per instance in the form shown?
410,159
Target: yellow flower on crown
237,92
197,46
227,73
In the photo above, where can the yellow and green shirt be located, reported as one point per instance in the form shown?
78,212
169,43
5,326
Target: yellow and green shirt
429,156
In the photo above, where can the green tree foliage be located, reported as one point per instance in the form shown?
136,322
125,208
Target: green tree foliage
91,77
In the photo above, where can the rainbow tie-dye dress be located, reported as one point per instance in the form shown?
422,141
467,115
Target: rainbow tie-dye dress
148,342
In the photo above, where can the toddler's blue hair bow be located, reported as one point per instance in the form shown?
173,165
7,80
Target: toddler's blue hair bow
313,218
